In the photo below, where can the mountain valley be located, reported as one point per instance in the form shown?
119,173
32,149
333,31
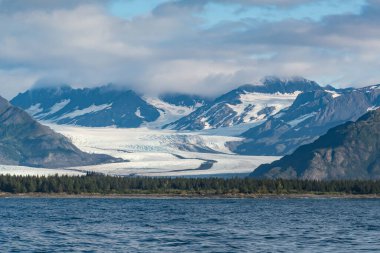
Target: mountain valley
176,134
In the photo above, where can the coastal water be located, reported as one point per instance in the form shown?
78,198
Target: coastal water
189,225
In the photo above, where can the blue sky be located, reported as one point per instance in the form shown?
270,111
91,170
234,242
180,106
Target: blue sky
132,8
193,46
214,12
217,13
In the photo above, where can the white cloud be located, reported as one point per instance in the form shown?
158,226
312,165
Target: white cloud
82,44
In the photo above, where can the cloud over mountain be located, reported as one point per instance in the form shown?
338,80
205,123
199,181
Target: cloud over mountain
184,46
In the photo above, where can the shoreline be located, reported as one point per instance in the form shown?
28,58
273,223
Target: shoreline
190,196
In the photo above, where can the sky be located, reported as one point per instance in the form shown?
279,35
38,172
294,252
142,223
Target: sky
194,46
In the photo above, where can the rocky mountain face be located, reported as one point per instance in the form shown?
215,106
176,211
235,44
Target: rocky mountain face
191,101
23,141
309,117
348,151
246,104
105,106
97,107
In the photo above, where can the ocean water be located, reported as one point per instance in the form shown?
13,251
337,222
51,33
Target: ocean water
189,225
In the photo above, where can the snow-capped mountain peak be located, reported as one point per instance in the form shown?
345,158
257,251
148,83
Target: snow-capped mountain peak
97,107
105,106
248,104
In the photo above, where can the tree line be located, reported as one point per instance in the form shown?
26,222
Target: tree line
102,184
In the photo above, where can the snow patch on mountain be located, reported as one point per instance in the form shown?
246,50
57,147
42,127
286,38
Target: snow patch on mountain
34,110
37,112
59,106
252,106
300,119
168,112
372,108
88,110
334,93
138,113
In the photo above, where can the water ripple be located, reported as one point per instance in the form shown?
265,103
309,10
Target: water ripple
189,225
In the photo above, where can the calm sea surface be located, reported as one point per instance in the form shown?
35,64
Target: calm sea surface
189,225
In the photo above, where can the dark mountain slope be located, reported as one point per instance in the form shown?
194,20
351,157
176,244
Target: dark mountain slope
23,141
96,107
186,100
348,151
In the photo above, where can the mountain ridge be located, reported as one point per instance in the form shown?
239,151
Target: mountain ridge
347,151
310,116
24,141
93,107
104,106
246,104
